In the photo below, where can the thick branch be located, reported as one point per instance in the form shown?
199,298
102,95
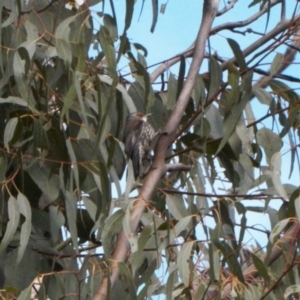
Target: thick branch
122,246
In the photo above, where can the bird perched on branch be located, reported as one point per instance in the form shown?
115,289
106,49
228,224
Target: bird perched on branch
137,138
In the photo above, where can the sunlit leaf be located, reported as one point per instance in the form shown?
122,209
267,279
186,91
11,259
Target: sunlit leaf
233,117
172,91
64,52
278,229
270,141
184,263
176,206
112,226
25,294
276,64
126,96
291,290
262,95
284,91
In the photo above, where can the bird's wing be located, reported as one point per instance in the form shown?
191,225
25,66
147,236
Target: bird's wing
131,136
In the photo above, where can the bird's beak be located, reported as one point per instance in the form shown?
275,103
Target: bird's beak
148,115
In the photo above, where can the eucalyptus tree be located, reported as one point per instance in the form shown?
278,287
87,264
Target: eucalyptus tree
76,223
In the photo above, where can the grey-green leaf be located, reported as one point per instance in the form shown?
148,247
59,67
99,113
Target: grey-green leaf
184,262
25,210
12,224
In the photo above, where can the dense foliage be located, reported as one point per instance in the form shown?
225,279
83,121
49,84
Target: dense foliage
63,200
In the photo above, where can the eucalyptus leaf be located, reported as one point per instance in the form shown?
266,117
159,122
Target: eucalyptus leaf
25,210
184,263
12,224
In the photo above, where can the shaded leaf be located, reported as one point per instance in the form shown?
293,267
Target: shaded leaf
29,267
9,132
25,210
215,77
297,207
109,51
261,268
74,161
238,54
12,224
71,207
111,25
154,14
163,8
129,14
126,275
48,183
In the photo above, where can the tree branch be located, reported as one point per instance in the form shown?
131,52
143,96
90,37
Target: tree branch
177,167
264,39
122,246
233,25
226,8
189,51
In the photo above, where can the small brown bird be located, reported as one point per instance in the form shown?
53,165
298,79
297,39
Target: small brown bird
137,137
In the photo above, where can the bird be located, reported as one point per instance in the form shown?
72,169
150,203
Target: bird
137,137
